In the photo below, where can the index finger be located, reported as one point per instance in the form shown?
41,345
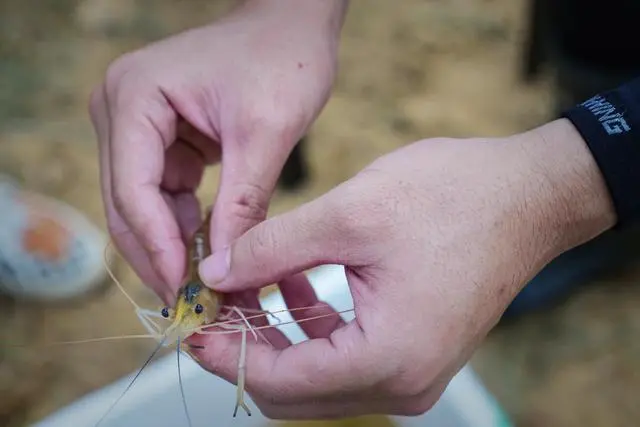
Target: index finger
141,130
122,236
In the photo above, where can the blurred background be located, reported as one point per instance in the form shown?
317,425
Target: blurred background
409,70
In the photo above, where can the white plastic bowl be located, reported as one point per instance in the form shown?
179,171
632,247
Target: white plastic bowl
154,400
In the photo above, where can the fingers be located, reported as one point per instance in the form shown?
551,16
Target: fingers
299,296
199,142
183,168
342,376
249,173
280,247
183,171
356,406
311,370
124,240
186,209
142,127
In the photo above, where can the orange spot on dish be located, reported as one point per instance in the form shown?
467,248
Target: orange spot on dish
46,239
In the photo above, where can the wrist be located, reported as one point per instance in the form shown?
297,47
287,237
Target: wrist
575,203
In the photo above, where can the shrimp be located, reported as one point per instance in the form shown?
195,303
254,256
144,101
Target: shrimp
196,306
196,310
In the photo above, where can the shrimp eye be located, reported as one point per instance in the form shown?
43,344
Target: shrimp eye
165,312
198,309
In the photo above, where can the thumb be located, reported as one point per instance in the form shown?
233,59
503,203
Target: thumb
308,236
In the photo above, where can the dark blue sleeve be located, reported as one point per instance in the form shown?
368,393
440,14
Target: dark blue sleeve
610,125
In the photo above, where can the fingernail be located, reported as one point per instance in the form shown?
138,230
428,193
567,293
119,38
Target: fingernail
214,269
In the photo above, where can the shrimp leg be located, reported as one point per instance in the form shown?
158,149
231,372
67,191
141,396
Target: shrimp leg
241,376
241,369
254,311
242,360
148,323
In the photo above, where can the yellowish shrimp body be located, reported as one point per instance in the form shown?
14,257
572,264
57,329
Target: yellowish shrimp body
197,305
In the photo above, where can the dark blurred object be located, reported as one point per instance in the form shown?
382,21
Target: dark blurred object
295,172
537,39
575,269
589,45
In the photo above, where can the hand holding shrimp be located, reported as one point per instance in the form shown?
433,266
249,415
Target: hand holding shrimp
437,238
196,307
166,111
201,310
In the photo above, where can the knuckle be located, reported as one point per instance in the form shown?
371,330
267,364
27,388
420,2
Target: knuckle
116,71
249,202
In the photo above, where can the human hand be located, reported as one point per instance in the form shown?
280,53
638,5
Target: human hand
437,238
244,90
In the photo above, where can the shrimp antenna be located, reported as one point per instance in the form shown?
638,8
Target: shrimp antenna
139,311
144,365
113,276
87,340
204,330
184,400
